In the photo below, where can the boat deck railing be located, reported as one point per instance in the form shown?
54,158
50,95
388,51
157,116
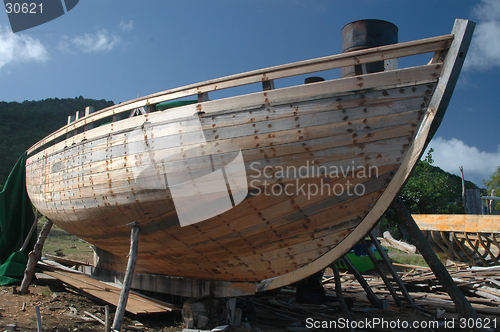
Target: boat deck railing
266,76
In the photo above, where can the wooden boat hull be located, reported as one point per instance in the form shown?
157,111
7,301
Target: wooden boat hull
321,163
466,238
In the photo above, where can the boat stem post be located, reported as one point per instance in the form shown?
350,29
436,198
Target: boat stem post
33,257
462,305
129,274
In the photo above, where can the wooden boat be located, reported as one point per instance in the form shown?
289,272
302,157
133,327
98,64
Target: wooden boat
465,238
302,149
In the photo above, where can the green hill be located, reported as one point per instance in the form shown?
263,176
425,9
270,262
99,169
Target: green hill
24,124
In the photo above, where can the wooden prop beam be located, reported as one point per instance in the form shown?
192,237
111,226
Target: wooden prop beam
461,303
389,265
370,295
33,227
129,274
38,319
33,257
387,283
338,292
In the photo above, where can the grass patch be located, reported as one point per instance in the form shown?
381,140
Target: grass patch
401,257
63,244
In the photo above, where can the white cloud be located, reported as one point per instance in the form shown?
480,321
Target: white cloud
126,27
18,48
451,154
484,52
102,40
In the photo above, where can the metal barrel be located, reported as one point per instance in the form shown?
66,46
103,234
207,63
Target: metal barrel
363,34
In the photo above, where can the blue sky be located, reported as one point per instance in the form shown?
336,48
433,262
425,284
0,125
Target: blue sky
117,49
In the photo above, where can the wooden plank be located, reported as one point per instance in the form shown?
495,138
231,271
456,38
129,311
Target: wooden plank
110,294
369,136
375,144
165,135
324,125
458,223
83,157
298,68
369,99
65,261
390,79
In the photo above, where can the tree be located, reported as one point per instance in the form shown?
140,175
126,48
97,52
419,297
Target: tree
429,190
23,124
494,184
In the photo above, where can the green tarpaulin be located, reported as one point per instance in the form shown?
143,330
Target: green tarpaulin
16,218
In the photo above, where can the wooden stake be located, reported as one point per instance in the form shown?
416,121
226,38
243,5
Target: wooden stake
338,291
95,317
34,256
463,306
107,324
461,168
38,319
127,281
33,227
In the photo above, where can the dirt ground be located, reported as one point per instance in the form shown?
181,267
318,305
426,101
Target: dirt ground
63,309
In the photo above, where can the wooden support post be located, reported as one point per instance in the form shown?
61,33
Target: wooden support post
389,265
203,97
129,274
38,319
107,324
462,305
338,291
33,257
71,118
232,318
461,168
387,283
267,85
374,300
88,110
33,227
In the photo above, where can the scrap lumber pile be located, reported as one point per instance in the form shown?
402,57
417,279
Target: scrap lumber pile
481,286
